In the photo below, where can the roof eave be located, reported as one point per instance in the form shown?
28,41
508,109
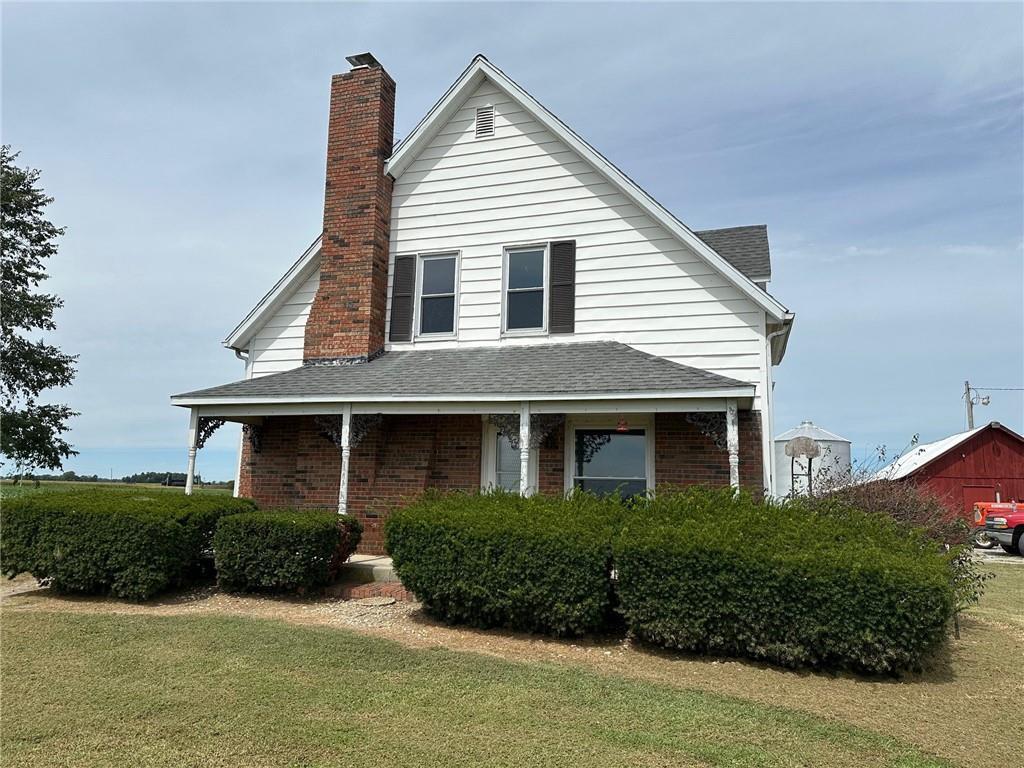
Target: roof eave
300,270
189,400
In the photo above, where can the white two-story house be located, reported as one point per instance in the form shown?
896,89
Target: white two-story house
493,303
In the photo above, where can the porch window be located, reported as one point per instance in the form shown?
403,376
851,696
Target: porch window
437,294
507,464
610,461
524,288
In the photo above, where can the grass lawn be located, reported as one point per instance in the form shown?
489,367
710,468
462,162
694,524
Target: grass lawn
8,490
214,680
145,690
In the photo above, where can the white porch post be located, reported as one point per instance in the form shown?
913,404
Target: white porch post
732,438
346,450
193,437
524,448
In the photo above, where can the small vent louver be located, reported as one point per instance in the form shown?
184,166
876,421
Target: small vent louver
484,122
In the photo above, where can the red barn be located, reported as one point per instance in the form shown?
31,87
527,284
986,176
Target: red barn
983,464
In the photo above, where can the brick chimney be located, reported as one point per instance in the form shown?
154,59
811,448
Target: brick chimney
346,321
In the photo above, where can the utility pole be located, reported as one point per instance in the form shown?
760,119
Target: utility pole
970,405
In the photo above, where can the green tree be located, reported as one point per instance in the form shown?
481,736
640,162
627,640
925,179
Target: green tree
30,432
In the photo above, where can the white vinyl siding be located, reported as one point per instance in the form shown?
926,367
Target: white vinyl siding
277,346
635,283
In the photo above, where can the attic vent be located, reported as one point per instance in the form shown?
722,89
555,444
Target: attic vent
484,122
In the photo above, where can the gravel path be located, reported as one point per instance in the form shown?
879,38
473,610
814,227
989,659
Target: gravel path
400,621
998,555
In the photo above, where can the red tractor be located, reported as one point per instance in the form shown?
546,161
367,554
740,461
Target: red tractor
1000,523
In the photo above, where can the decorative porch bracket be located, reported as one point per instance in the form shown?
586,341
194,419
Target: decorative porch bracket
200,428
254,434
362,423
207,426
541,425
712,426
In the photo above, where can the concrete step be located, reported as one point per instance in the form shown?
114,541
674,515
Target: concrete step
364,569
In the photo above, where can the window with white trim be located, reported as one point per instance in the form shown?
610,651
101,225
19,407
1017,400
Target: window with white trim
525,289
437,294
500,462
610,461
507,464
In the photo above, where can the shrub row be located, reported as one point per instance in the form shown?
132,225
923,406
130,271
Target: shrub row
698,570
538,563
133,544
706,572
283,550
126,543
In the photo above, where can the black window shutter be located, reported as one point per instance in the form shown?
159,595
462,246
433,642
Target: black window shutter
562,295
402,293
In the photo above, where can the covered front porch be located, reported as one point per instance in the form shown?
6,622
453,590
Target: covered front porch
364,458
601,417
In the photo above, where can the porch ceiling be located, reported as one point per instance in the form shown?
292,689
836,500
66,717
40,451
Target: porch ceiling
570,372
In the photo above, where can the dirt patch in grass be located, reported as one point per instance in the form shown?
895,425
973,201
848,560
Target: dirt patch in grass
941,711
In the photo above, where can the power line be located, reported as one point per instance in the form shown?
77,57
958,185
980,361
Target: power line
1000,389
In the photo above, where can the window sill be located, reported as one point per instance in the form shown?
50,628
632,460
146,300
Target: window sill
524,333
435,337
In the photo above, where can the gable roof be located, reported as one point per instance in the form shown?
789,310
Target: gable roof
746,248
922,455
739,253
534,371
479,70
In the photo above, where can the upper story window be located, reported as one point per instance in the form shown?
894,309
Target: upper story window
437,280
525,288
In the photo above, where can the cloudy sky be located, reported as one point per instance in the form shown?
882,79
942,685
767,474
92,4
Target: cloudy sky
881,144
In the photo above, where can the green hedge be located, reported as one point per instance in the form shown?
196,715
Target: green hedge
127,543
539,564
702,571
282,550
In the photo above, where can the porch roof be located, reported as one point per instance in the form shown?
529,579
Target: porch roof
567,370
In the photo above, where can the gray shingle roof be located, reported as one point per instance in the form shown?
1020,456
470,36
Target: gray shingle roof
746,248
578,368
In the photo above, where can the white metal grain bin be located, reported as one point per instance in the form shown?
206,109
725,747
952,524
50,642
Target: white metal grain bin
791,466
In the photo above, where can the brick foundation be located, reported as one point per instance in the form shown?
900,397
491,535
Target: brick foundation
376,589
406,455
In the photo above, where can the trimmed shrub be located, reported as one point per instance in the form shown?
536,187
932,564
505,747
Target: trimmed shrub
704,571
538,564
282,550
920,508
126,543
